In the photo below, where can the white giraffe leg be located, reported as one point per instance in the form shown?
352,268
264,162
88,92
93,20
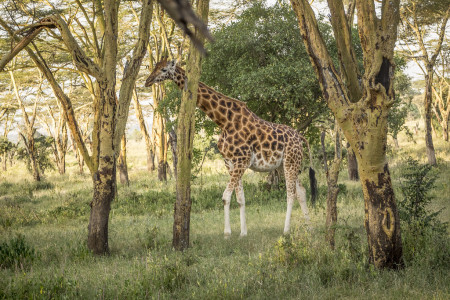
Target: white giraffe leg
241,201
290,189
301,197
226,208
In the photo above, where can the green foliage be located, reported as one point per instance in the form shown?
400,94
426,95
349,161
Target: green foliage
16,253
422,231
5,145
402,103
43,146
417,180
260,59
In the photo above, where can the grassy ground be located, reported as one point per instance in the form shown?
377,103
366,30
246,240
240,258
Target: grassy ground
52,218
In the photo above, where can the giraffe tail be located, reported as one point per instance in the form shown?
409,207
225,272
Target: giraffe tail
312,174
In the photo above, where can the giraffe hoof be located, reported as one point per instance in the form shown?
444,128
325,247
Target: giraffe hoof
243,235
227,235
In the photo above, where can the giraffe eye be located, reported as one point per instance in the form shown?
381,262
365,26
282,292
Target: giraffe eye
164,69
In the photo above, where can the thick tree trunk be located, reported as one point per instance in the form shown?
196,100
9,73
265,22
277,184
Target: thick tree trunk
431,155
122,162
104,191
352,164
381,220
185,135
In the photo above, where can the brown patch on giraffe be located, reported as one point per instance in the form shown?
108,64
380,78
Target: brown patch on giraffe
207,105
237,125
269,137
222,102
246,112
206,96
267,154
229,115
213,104
222,110
274,145
229,104
214,96
266,145
236,108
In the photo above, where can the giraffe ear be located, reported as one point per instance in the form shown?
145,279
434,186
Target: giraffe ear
173,62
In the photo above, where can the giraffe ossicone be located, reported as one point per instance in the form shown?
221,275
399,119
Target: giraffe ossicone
246,142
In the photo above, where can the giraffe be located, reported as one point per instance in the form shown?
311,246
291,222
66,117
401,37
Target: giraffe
246,142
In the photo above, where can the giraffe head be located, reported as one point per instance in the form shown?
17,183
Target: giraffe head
163,70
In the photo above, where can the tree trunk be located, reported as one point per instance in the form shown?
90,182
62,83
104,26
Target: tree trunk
173,146
148,142
428,115
332,175
4,158
104,191
352,164
185,135
122,162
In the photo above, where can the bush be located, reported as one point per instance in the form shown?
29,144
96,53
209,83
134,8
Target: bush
16,253
421,227
417,180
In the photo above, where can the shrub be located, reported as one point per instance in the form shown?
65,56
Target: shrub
421,227
417,180
16,253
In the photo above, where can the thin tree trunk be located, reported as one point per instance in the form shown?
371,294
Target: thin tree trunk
431,155
173,146
332,175
122,162
185,135
148,142
352,164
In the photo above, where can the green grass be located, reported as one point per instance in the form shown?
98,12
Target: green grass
52,217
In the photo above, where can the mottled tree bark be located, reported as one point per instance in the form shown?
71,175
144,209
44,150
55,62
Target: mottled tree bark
185,134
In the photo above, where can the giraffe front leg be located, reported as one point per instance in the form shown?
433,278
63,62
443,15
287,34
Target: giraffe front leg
241,201
226,208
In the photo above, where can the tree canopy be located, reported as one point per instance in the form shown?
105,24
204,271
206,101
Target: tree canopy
260,59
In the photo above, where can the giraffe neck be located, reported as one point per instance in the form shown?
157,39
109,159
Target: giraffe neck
221,109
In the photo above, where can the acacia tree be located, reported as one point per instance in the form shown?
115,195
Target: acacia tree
110,113
29,132
419,17
360,106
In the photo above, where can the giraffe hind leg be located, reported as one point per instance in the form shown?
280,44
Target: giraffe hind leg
241,201
301,197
